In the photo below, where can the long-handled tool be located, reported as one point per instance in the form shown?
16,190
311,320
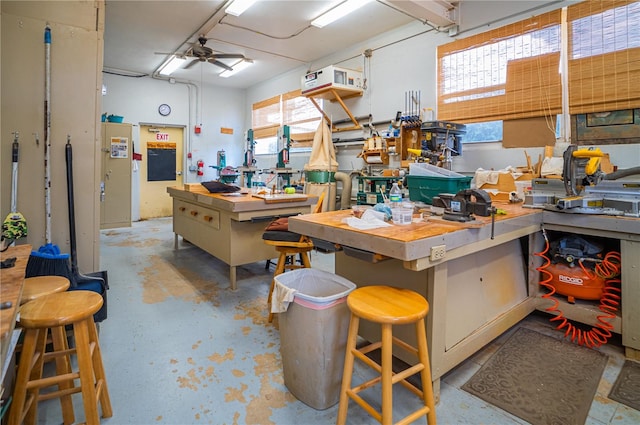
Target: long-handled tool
97,281
14,225
48,260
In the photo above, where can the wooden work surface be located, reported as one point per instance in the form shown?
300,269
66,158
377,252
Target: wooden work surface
11,282
236,203
413,241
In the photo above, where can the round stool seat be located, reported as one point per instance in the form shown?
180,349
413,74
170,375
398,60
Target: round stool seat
385,304
60,309
36,287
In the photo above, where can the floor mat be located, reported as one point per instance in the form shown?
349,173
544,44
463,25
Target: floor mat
626,389
540,379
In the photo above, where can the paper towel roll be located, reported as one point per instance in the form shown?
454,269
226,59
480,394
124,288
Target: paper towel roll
373,159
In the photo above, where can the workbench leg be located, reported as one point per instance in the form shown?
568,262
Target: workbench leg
175,241
232,277
436,390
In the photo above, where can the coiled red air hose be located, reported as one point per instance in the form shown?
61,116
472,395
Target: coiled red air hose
600,333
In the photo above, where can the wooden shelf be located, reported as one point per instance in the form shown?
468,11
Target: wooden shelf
335,94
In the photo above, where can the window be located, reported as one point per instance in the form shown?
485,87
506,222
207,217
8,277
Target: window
508,73
604,56
291,109
513,72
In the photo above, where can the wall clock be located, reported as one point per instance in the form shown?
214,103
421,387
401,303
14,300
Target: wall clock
164,109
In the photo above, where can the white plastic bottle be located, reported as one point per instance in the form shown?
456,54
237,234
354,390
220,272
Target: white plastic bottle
395,196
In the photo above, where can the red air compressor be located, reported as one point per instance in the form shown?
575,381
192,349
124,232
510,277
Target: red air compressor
573,262
577,268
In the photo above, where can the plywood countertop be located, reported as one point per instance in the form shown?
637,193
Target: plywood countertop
11,282
413,241
237,202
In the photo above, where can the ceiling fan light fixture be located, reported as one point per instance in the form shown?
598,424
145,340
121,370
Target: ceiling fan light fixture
238,7
338,12
174,63
236,68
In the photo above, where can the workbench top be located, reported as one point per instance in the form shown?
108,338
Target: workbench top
237,202
413,241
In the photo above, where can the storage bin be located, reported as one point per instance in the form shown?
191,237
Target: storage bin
424,188
115,118
313,335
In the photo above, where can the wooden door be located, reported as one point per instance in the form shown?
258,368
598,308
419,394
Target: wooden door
161,166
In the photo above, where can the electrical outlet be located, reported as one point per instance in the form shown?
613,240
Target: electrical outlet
438,252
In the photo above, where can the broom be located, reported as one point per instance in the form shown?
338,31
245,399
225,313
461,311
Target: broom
97,281
47,260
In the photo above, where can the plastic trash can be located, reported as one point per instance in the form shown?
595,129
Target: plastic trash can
313,334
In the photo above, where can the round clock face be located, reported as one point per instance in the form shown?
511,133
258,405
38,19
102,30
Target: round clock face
164,109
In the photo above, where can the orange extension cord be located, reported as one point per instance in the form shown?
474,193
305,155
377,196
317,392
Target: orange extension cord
608,269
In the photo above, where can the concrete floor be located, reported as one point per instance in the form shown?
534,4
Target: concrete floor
180,348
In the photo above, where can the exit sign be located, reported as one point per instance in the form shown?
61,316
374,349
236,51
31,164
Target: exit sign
162,137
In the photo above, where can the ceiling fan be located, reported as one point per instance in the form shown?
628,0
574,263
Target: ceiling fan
201,53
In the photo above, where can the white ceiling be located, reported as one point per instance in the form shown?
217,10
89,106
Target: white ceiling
276,34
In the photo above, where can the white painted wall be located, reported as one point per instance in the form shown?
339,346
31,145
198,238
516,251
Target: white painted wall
137,99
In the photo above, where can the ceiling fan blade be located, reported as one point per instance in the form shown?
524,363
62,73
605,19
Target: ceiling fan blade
228,56
190,64
220,64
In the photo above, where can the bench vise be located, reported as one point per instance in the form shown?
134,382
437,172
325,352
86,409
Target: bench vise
465,203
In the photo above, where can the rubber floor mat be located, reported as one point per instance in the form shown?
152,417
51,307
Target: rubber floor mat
540,379
626,389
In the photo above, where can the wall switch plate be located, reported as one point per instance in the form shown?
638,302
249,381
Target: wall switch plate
438,252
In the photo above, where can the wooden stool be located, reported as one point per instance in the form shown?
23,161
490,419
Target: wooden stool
54,312
286,250
35,287
289,244
387,306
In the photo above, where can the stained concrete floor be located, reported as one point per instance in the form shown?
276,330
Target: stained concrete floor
179,347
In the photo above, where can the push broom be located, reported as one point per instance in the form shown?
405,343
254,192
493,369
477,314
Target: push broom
96,281
47,260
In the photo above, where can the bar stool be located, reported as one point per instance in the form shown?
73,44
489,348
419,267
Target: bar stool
36,287
387,306
55,311
289,244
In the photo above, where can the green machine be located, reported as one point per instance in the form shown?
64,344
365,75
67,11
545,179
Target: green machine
284,144
370,189
248,168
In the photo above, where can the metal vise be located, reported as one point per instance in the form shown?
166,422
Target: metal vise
462,205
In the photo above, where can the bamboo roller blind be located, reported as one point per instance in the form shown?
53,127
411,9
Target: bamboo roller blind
604,73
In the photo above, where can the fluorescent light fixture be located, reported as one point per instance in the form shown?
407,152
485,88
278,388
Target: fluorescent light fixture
174,63
238,7
236,68
340,11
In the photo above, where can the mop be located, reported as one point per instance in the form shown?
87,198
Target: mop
14,225
47,260
96,282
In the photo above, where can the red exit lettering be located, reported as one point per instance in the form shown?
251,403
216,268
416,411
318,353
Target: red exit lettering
162,137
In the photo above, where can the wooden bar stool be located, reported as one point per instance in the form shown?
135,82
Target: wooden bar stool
387,306
35,287
55,311
289,244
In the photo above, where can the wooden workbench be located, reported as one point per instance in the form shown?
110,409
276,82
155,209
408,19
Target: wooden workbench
482,286
11,283
476,292
230,227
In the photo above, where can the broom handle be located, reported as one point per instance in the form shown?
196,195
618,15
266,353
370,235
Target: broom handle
71,204
47,134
